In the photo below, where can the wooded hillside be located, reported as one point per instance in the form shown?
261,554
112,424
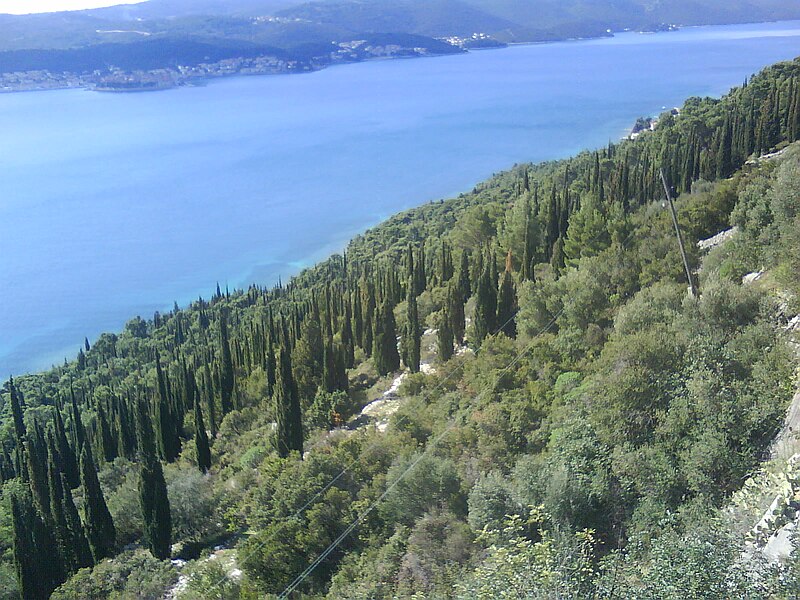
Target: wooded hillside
579,423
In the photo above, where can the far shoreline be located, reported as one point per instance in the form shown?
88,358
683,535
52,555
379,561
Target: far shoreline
201,81
307,69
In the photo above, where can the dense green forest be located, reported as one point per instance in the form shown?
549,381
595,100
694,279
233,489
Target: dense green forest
571,422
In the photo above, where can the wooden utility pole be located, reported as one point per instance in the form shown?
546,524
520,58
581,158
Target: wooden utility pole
689,275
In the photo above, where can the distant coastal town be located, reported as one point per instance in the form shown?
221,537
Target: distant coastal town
114,79
117,80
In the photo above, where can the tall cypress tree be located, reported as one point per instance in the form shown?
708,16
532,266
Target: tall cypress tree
98,524
226,380
168,440
724,150
412,340
6,465
77,423
153,498
58,519
358,319
485,306
16,412
270,365
384,340
287,408
80,545
81,360
445,264
455,310
329,378
20,433
126,427
66,452
368,311
410,263
36,458
558,261
24,549
210,400
794,114
39,571
347,336
507,305
334,372
445,337
530,241
107,442
340,367
201,439
463,283
20,464
419,279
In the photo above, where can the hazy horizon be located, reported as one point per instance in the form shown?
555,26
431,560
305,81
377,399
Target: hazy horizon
28,7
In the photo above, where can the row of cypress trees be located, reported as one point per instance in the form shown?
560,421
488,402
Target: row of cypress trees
51,540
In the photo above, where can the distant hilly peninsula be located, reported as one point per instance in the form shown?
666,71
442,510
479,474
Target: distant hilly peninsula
169,41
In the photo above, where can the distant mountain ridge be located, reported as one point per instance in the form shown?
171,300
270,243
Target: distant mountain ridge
535,20
436,18
295,22
160,33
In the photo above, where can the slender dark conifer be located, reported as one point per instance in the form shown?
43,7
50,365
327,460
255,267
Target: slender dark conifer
384,340
98,524
445,336
201,439
68,458
287,408
39,568
507,305
168,440
485,306
153,498
226,379
412,333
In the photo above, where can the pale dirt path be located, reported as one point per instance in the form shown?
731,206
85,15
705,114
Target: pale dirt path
226,557
379,412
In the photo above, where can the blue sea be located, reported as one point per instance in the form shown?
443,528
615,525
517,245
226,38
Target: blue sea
116,205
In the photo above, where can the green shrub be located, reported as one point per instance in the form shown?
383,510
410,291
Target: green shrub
128,576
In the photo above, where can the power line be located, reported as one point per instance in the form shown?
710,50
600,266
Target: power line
361,517
310,569
350,466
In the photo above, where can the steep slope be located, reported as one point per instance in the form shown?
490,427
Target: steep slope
605,412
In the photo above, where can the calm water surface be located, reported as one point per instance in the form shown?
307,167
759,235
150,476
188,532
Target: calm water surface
118,205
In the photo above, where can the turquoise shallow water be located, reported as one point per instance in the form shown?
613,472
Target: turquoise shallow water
118,205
